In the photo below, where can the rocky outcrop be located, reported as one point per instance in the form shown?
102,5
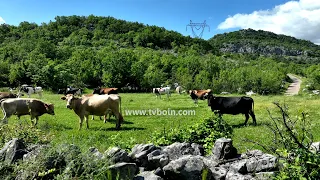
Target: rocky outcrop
260,49
147,161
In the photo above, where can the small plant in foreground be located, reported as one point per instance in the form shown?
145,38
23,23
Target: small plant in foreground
206,132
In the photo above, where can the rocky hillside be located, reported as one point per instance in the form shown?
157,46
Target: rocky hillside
264,43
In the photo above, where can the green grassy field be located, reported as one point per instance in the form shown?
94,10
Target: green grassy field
139,129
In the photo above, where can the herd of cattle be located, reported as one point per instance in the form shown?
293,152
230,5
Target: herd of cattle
106,101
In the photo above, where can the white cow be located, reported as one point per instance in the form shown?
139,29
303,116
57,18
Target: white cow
30,90
163,90
98,105
179,89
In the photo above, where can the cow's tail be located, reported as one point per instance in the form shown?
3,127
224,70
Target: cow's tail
2,108
120,105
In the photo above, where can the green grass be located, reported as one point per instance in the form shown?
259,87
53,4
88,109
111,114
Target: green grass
139,129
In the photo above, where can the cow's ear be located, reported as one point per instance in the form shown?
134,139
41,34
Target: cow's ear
63,98
46,106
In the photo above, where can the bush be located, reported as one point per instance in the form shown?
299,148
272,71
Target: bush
292,142
28,134
204,133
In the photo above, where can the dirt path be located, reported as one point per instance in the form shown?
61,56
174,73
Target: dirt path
294,87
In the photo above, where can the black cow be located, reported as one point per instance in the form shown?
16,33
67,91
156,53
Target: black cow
62,91
74,91
233,105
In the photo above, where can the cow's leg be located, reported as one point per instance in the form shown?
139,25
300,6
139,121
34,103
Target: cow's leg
253,117
119,120
37,119
80,121
6,115
28,95
108,112
86,118
40,94
92,117
247,117
31,118
196,102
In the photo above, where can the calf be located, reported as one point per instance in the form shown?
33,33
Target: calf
25,106
199,94
98,105
233,105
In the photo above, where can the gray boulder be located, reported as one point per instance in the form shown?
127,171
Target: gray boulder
157,159
147,175
116,154
123,171
177,150
33,152
13,151
315,147
139,153
239,166
223,149
258,161
264,175
231,175
187,167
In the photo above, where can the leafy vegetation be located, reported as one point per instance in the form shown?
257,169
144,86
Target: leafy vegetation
292,140
103,51
205,133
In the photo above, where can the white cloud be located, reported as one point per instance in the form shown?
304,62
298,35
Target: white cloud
2,20
300,19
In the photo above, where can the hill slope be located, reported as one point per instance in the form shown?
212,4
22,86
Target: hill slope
266,43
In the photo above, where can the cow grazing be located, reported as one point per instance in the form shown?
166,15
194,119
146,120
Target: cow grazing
98,105
233,105
199,94
74,91
4,95
105,91
30,90
159,91
25,106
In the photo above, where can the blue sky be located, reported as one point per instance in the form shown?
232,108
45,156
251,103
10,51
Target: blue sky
220,15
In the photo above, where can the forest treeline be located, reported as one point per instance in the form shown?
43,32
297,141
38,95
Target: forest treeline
91,51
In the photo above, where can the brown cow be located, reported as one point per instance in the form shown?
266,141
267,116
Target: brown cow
105,91
25,106
98,105
199,94
105,116
4,95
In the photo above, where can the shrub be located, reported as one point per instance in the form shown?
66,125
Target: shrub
29,135
204,133
292,142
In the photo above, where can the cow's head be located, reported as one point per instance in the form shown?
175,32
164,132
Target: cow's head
49,108
96,91
70,100
207,94
211,99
